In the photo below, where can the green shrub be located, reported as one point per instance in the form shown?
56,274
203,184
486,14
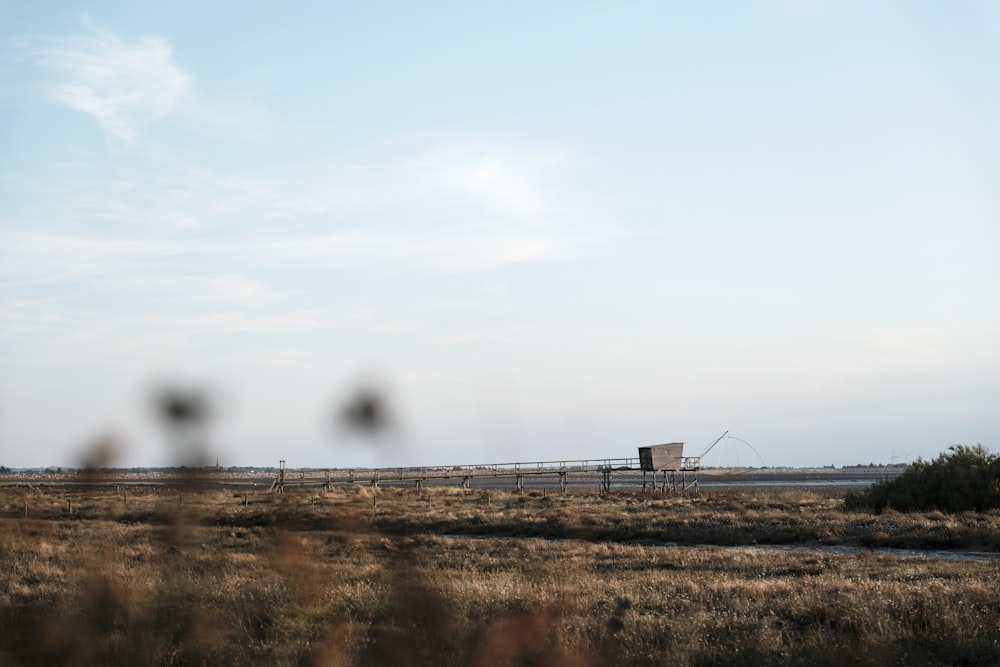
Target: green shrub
961,479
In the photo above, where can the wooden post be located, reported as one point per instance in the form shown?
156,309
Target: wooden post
25,508
246,503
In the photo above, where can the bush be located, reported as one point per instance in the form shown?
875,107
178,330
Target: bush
961,479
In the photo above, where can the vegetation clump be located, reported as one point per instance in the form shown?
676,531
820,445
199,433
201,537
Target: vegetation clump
963,478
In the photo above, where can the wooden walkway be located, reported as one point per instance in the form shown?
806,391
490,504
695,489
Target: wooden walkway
682,479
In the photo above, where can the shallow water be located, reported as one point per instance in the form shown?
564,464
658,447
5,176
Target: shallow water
846,550
835,549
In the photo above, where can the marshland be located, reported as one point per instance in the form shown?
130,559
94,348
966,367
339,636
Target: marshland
450,576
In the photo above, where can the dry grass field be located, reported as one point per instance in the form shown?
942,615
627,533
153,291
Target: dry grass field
449,577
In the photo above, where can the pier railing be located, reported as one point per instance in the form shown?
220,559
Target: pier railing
469,472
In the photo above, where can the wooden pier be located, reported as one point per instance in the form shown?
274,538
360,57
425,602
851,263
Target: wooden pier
466,475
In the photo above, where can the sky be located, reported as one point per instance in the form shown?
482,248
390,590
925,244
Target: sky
539,231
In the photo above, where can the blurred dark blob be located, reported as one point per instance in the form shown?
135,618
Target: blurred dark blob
366,413
185,413
100,453
181,407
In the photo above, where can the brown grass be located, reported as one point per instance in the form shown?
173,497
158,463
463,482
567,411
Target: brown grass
453,578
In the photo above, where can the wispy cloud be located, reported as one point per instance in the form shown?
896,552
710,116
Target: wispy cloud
123,85
164,259
445,210
183,287
238,290
81,335
450,210
388,252
50,257
165,196
497,182
29,317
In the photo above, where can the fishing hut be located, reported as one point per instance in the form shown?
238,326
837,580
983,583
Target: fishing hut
680,473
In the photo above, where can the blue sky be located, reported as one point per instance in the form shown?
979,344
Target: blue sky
545,230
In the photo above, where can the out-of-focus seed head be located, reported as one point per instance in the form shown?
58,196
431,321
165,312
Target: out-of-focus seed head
366,412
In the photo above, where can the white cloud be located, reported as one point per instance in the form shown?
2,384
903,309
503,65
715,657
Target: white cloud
180,287
497,182
40,257
157,193
123,85
388,252
88,249
29,317
237,289
451,209
236,322
70,335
